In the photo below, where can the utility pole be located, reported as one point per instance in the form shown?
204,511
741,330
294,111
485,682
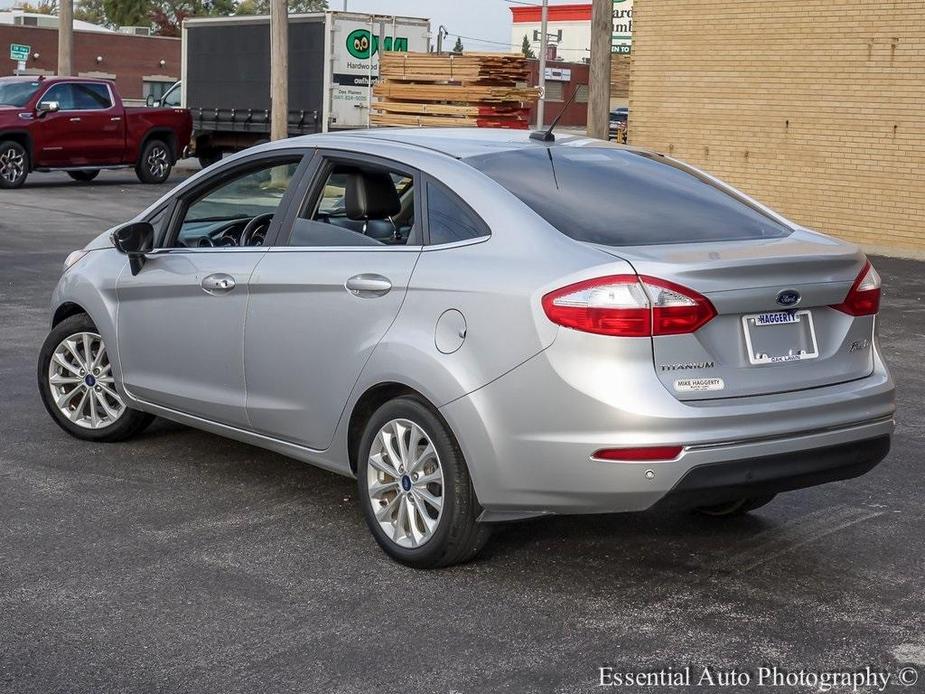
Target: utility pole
65,37
599,80
279,69
544,42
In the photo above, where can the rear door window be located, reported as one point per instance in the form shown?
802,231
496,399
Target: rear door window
448,219
619,197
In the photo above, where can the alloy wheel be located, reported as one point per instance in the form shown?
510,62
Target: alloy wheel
157,161
405,483
12,165
81,382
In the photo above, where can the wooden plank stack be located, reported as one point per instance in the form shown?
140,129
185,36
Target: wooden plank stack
472,90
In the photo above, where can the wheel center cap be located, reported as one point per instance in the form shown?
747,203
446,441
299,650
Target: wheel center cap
90,380
406,483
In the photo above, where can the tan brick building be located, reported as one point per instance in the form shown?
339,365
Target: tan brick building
814,107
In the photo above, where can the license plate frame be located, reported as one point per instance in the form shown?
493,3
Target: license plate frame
806,346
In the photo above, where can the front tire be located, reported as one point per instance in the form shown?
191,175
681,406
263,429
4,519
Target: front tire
14,165
415,490
78,387
84,176
155,162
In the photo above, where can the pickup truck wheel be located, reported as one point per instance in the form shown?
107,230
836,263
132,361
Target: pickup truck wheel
84,176
14,164
154,165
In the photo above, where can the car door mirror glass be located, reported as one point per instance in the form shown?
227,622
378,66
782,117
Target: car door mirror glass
135,239
48,107
150,102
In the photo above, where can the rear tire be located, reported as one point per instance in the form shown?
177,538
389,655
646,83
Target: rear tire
428,521
84,176
738,507
209,157
14,165
155,162
77,386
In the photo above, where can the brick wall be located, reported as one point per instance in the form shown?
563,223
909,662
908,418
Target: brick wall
814,107
619,76
127,57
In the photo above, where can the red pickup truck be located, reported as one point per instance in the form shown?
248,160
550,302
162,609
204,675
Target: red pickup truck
80,126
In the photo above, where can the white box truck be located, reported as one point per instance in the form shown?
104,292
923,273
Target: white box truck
333,59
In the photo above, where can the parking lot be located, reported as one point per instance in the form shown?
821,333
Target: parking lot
182,561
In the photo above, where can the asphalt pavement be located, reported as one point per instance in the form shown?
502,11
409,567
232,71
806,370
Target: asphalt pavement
185,562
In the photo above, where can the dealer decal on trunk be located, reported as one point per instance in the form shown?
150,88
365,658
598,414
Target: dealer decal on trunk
698,385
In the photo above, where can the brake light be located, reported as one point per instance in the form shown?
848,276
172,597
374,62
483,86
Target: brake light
649,453
628,306
864,296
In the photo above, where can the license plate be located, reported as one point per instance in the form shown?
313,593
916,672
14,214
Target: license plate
780,337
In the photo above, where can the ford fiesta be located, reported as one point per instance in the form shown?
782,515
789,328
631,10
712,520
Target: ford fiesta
481,326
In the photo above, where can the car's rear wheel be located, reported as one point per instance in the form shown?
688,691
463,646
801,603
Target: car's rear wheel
84,176
78,387
155,163
207,157
737,507
14,164
415,489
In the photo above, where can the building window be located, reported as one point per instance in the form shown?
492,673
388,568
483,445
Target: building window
155,88
582,96
554,91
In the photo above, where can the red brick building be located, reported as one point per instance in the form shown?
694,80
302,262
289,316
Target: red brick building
139,65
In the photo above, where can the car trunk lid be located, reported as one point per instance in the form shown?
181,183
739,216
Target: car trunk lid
759,343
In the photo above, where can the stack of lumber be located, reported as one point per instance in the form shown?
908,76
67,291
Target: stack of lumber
474,90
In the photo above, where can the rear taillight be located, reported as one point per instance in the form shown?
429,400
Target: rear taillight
864,296
628,306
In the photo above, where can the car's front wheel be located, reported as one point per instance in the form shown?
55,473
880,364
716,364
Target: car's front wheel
155,163
78,387
415,489
14,164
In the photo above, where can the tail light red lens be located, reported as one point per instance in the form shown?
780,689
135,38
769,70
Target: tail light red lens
628,306
864,296
633,455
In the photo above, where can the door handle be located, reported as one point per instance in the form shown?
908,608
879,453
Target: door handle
115,119
75,120
368,285
219,283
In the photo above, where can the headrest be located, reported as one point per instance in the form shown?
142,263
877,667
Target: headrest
371,195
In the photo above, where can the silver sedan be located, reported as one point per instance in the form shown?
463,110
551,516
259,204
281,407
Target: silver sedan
481,326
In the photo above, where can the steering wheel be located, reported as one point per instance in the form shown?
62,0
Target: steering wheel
252,236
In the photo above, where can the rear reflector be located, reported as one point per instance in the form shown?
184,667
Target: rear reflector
628,306
864,296
639,454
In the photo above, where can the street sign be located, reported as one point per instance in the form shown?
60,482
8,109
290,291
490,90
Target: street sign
19,52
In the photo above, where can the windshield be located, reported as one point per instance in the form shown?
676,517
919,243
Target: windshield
17,93
619,197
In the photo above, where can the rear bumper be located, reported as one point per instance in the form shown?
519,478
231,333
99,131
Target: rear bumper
715,483
529,436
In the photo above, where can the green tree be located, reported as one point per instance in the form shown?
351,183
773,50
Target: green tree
168,15
458,46
127,13
526,48
41,7
92,11
295,6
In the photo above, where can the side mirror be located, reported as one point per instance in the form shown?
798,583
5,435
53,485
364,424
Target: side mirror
135,239
150,102
48,107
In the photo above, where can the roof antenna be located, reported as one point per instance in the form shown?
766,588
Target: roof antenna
546,135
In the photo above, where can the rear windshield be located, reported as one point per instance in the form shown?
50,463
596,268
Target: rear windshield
618,197
16,93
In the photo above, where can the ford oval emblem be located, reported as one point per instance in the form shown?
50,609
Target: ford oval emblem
788,297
